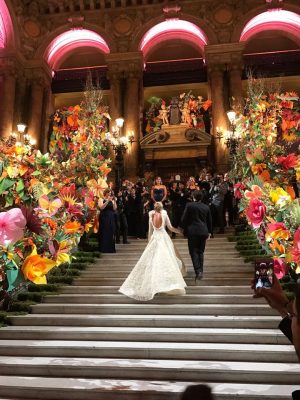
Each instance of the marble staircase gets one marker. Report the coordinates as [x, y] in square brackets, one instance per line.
[90, 342]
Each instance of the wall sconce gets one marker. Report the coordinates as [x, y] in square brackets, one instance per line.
[219, 133]
[131, 137]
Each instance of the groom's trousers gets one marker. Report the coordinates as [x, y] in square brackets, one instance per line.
[196, 245]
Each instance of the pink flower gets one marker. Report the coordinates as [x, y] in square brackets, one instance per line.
[238, 187]
[255, 212]
[12, 225]
[280, 267]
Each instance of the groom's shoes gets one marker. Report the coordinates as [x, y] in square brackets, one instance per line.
[198, 277]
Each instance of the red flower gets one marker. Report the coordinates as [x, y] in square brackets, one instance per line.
[290, 161]
[255, 212]
[280, 267]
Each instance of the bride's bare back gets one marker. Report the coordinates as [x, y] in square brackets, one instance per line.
[157, 220]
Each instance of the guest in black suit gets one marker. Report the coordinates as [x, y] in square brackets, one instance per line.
[197, 224]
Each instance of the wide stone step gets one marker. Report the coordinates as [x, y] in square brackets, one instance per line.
[145, 350]
[143, 309]
[211, 253]
[213, 260]
[190, 335]
[112, 273]
[159, 299]
[150, 320]
[190, 290]
[89, 281]
[48, 388]
[118, 368]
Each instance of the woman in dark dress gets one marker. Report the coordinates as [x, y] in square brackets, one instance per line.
[158, 191]
[107, 223]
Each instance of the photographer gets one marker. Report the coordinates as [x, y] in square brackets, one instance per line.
[121, 219]
[107, 222]
[178, 197]
[217, 194]
[289, 311]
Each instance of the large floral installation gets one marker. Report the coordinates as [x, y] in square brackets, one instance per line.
[48, 201]
[195, 109]
[267, 167]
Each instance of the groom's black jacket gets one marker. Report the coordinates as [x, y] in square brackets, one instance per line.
[196, 219]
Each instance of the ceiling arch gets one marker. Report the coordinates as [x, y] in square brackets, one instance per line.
[62, 45]
[6, 26]
[280, 20]
[172, 29]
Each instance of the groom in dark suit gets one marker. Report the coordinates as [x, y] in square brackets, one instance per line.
[197, 226]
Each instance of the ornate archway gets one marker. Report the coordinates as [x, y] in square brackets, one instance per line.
[6, 26]
[72, 39]
[282, 20]
[173, 29]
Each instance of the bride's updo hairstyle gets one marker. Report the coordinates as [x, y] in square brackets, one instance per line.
[158, 206]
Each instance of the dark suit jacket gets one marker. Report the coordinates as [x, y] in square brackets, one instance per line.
[196, 219]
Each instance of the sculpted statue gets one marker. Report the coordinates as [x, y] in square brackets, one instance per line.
[175, 115]
[163, 114]
[185, 114]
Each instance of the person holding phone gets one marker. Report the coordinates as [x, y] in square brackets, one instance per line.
[107, 222]
[289, 311]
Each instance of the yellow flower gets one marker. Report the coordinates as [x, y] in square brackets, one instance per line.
[280, 197]
[63, 258]
[36, 267]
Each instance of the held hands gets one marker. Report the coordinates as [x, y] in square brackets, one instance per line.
[274, 296]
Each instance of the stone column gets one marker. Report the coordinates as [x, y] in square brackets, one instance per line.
[235, 85]
[115, 96]
[7, 103]
[35, 118]
[132, 122]
[40, 84]
[125, 75]
[219, 118]
[220, 58]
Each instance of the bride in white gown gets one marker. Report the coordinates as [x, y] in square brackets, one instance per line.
[159, 269]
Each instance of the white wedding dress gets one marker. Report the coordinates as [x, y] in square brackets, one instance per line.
[159, 270]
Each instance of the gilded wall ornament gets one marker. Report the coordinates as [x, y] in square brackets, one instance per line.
[223, 14]
[32, 28]
[122, 25]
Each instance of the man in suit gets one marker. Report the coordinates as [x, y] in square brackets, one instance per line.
[197, 225]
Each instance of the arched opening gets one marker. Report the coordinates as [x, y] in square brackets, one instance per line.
[279, 20]
[174, 66]
[71, 55]
[272, 46]
[67, 42]
[173, 29]
[6, 29]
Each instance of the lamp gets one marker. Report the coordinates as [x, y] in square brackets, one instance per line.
[231, 116]
[21, 127]
[232, 140]
[120, 122]
[119, 144]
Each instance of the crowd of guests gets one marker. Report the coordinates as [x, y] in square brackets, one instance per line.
[124, 212]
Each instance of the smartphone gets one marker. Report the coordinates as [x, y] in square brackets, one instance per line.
[264, 273]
